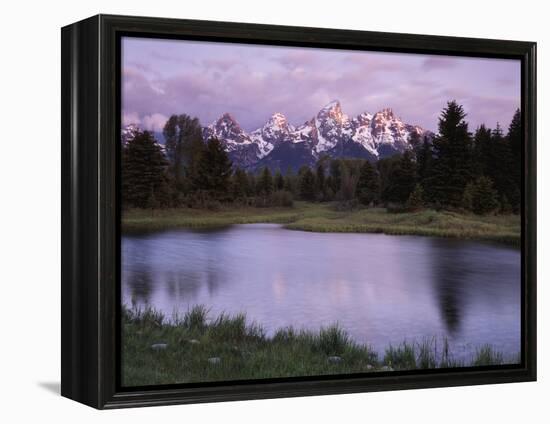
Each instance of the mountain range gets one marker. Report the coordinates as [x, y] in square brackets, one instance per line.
[279, 145]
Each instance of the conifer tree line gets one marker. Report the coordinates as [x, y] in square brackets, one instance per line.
[457, 169]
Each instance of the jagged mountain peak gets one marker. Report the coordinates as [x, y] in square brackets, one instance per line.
[226, 119]
[277, 121]
[332, 110]
[333, 104]
[330, 132]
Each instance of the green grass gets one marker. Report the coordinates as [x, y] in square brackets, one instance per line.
[324, 217]
[189, 343]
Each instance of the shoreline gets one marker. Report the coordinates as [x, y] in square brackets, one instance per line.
[194, 348]
[324, 218]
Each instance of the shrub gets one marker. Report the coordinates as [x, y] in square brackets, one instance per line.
[281, 198]
[480, 197]
[416, 199]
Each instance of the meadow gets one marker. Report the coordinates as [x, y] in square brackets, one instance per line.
[329, 217]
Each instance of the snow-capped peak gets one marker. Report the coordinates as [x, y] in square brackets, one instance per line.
[227, 128]
[330, 132]
[333, 104]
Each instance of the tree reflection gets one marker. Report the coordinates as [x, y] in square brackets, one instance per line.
[450, 274]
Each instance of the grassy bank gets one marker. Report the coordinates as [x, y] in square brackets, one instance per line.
[194, 348]
[323, 217]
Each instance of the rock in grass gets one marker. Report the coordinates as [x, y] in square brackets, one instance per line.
[335, 359]
[159, 346]
[194, 342]
[369, 367]
[214, 360]
[386, 368]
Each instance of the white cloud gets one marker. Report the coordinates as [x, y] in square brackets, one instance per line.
[154, 122]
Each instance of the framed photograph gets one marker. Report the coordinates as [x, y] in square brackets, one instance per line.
[254, 211]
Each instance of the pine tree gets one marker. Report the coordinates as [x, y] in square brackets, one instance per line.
[348, 182]
[265, 183]
[279, 181]
[252, 183]
[290, 180]
[240, 184]
[321, 180]
[514, 137]
[483, 156]
[500, 169]
[307, 185]
[480, 197]
[143, 168]
[368, 185]
[424, 166]
[453, 153]
[213, 170]
[416, 199]
[336, 174]
[402, 179]
[184, 144]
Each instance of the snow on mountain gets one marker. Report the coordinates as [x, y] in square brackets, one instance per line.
[128, 133]
[331, 132]
[241, 149]
[276, 130]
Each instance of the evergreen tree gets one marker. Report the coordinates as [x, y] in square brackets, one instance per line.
[416, 198]
[424, 166]
[265, 183]
[143, 168]
[368, 185]
[348, 182]
[252, 183]
[402, 179]
[213, 170]
[336, 174]
[386, 167]
[483, 151]
[279, 181]
[289, 181]
[500, 169]
[240, 184]
[514, 137]
[480, 197]
[184, 144]
[308, 185]
[453, 152]
[321, 180]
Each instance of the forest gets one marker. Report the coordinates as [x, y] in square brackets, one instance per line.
[458, 170]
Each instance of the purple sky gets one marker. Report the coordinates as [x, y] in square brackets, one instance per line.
[204, 79]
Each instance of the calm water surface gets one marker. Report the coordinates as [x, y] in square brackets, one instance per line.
[381, 289]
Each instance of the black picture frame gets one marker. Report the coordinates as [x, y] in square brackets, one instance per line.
[90, 209]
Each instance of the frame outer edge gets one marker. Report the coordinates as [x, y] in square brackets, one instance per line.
[89, 202]
[80, 305]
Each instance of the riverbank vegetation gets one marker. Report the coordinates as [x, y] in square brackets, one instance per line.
[330, 217]
[199, 348]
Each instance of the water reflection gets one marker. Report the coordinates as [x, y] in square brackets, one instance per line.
[381, 289]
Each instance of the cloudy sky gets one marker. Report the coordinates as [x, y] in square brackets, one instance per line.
[204, 79]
